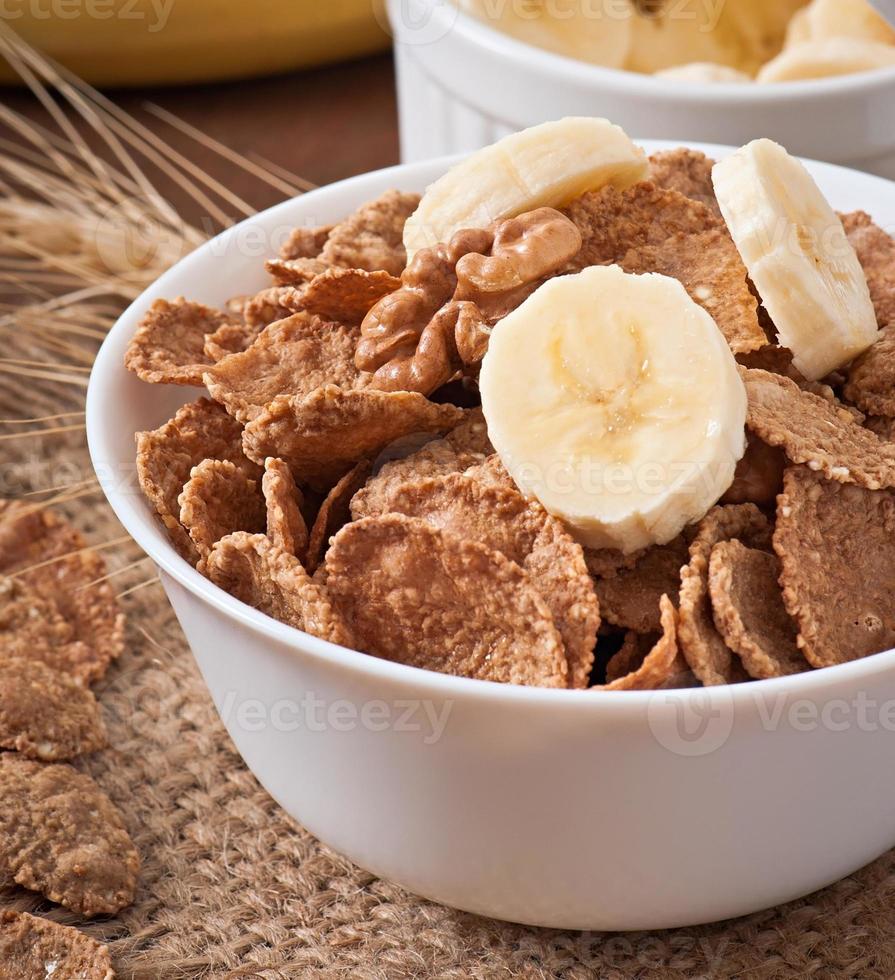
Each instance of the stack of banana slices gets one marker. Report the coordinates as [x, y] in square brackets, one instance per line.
[613, 398]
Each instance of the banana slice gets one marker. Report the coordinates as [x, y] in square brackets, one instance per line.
[704, 72]
[545, 166]
[826, 59]
[795, 249]
[590, 32]
[824, 19]
[615, 401]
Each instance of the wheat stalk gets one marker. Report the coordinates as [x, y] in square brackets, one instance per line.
[83, 230]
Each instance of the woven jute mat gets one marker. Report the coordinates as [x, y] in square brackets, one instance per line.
[232, 887]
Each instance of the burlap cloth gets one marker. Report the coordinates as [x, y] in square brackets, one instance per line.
[231, 887]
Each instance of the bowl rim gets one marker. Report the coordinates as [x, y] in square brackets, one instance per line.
[525, 56]
[150, 537]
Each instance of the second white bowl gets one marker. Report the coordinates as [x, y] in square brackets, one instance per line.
[462, 85]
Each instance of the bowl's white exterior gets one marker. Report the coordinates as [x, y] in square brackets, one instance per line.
[462, 85]
[557, 808]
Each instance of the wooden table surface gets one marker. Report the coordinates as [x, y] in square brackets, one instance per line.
[323, 124]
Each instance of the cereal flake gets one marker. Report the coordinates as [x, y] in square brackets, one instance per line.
[293, 357]
[659, 667]
[814, 431]
[335, 511]
[500, 518]
[838, 568]
[286, 526]
[166, 456]
[688, 172]
[218, 499]
[749, 613]
[629, 598]
[169, 345]
[646, 229]
[709, 657]
[324, 434]
[254, 570]
[426, 598]
[29, 945]
[45, 714]
[61, 836]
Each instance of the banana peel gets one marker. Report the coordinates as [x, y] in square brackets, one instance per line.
[158, 42]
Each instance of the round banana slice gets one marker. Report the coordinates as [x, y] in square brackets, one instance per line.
[794, 246]
[615, 401]
[545, 166]
[704, 72]
[827, 58]
[594, 32]
[824, 19]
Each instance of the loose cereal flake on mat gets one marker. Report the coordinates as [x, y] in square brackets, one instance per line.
[661, 667]
[688, 172]
[816, 432]
[871, 376]
[749, 613]
[32, 948]
[61, 836]
[324, 434]
[305, 243]
[169, 345]
[373, 237]
[646, 229]
[32, 626]
[500, 518]
[255, 571]
[294, 356]
[335, 511]
[629, 598]
[166, 456]
[427, 598]
[286, 525]
[876, 253]
[465, 446]
[49, 559]
[45, 714]
[217, 500]
[838, 566]
[709, 657]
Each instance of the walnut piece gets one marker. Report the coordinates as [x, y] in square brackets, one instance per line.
[437, 325]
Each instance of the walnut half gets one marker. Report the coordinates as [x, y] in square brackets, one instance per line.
[437, 325]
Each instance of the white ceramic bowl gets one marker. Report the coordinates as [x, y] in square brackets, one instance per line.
[573, 809]
[462, 85]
